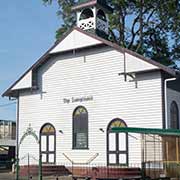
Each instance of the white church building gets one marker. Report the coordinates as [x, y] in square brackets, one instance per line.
[82, 87]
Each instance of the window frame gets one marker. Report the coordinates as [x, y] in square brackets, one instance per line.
[74, 140]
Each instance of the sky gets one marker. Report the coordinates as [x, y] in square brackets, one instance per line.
[27, 30]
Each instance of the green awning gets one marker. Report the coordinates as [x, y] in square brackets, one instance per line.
[164, 132]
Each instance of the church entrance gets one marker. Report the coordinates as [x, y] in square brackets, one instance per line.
[48, 144]
[117, 144]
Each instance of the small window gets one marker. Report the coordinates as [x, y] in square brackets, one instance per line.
[174, 115]
[80, 128]
[86, 13]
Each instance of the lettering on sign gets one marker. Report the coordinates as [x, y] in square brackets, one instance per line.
[77, 99]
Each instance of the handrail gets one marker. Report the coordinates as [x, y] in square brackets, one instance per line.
[93, 158]
[86, 163]
[68, 158]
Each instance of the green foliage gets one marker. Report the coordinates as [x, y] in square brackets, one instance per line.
[149, 27]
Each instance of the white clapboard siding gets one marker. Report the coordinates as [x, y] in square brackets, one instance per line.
[75, 40]
[133, 64]
[25, 82]
[92, 73]
[172, 95]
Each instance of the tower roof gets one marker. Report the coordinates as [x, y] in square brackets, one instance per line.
[89, 3]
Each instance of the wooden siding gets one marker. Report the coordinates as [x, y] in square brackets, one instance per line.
[25, 82]
[75, 40]
[91, 73]
[135, 64]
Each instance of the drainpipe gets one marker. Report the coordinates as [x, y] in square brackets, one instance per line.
[165, 100]
[17, 139]
[17, 125]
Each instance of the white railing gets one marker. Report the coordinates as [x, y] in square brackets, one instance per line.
[102, 25]
[87, 24]
[81, 163]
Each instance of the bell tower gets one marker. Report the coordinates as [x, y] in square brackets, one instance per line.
[92, 16]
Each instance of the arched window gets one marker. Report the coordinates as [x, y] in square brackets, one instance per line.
[174, 115]
[117, 144]
[80, 128]
[101, 15]
[86, 13]
[48, 143]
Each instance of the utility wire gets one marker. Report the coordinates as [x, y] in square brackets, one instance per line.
[9, 104]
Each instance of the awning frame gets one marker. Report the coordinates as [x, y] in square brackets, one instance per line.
[155, 131]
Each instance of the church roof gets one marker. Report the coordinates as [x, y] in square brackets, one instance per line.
[62, 45]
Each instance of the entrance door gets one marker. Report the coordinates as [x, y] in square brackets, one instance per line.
[48, 144]
[117, 144]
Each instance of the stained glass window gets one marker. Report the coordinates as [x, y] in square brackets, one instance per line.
[48, 129]
[80, 128]
[174, 113]
[117, 123]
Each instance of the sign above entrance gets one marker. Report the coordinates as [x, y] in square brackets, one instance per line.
[77, 99]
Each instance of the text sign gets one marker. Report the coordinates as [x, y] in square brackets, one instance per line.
[77, 99]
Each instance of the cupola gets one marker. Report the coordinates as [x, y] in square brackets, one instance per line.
[92, 16]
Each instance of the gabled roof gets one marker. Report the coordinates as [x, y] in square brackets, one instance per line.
[75, 40]
[94, 41]
[89, 3]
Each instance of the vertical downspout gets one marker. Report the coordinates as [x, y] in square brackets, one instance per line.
[17, 139]
[17, 127]
[165, 100]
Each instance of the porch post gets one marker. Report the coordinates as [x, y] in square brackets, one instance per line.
[177, 150]
[40, 167]
[17, 168]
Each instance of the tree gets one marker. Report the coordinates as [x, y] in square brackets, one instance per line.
[149, 27]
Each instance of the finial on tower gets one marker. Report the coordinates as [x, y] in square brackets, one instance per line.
[92, 15]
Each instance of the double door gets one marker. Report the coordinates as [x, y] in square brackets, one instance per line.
[48, 149]
[117, 149]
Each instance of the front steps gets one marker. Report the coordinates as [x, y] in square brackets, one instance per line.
[106, 172]
[83, 172]
[47, 170]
